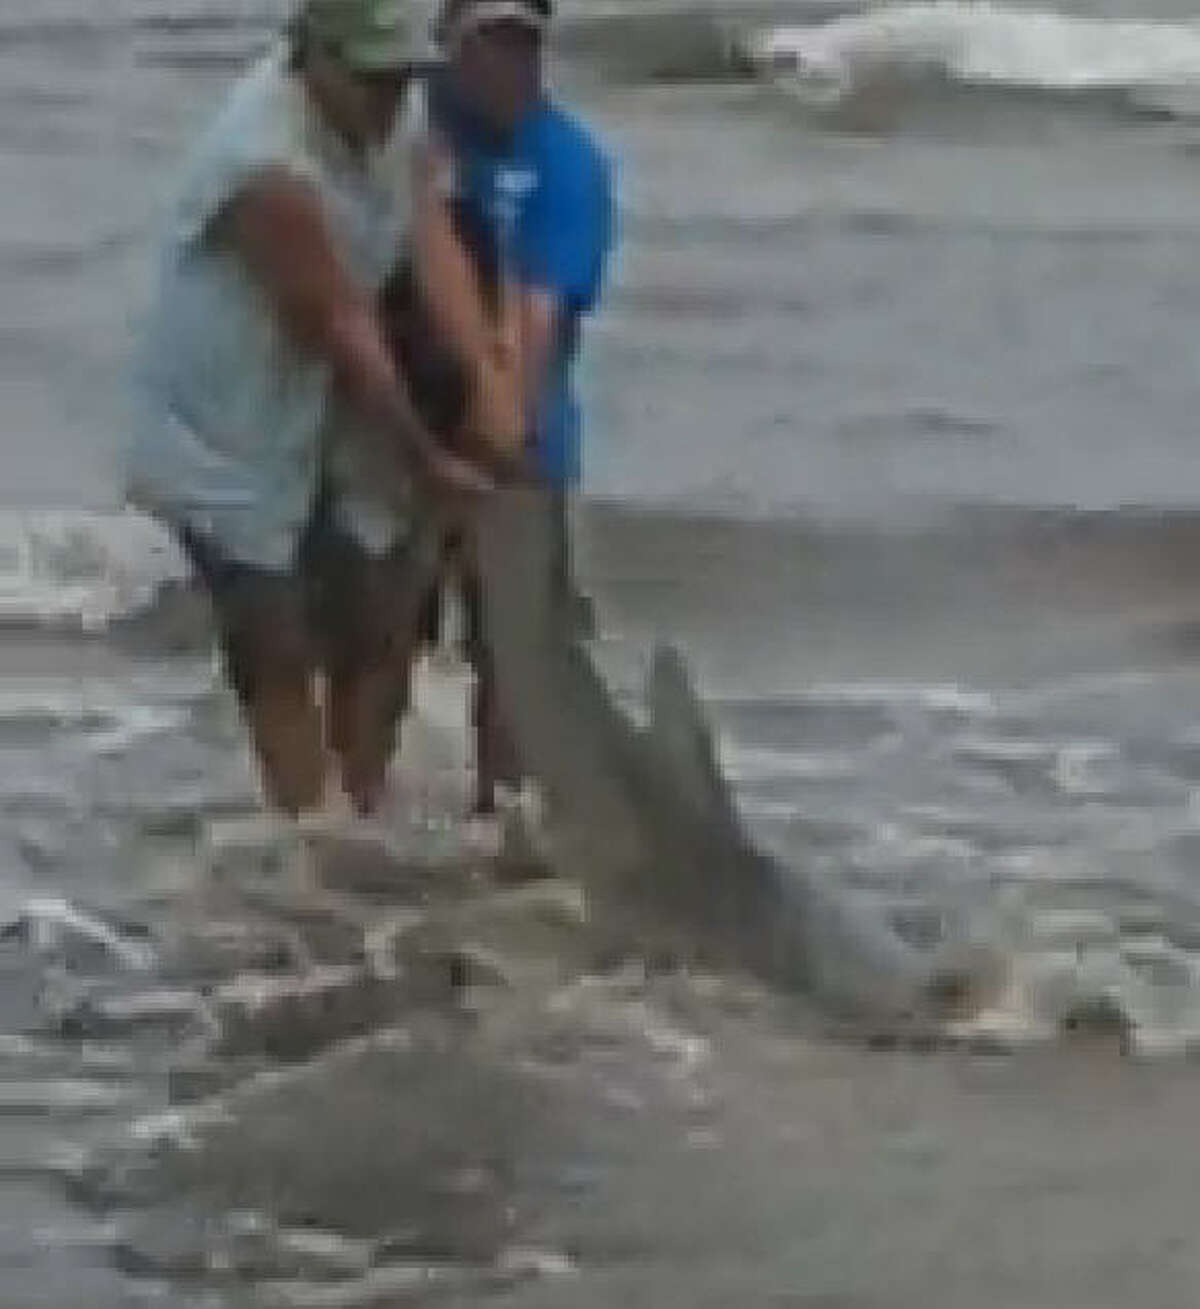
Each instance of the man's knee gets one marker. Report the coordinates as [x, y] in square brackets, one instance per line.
[270, 662]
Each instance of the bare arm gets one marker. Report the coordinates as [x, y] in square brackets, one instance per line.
[446, 273]
[508, 358]
[531, 331]
[453, 292]
[508, 355]
[278, 229]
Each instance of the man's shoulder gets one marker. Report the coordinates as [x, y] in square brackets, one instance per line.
[261, 127]
[265, 122]
[563, 139]
[264, 90]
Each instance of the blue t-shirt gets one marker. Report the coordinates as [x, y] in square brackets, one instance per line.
[544, 195]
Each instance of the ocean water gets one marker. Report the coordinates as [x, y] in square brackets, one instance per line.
[892, 417]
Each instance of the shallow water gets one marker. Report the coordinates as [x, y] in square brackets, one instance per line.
[908, 307]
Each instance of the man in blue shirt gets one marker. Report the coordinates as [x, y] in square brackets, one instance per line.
[536, 191]
[540, 190]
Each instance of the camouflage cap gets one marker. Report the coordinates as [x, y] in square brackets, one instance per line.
[367, 35]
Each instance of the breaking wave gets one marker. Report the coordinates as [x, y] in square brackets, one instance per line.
[80, 571]
[981, 45]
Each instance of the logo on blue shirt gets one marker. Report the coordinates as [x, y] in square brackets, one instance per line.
[545, 193]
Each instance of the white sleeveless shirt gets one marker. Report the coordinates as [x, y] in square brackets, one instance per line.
[231, 414]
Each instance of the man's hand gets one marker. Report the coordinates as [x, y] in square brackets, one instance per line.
[432, 171]
[497, 414]
[448, 474]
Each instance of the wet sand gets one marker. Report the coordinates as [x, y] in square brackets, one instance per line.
[404, 1071]
[839, 1178]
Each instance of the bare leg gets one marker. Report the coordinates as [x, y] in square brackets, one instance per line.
[285, 726]
[271, 663]
[494, 755]
[368, 706]
[371, 614]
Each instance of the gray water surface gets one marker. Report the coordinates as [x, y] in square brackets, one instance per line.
[888, 405]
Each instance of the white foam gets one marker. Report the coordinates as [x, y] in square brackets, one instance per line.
[912, 846]
[743, 765]
[50, 922]
[73, 567]
[105, 715]
[63, 1095]
[933, 697]
[983, 44]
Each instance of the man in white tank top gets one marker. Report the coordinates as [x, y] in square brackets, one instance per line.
[264, 329]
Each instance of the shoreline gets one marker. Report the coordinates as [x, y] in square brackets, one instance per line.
[508, 1119]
